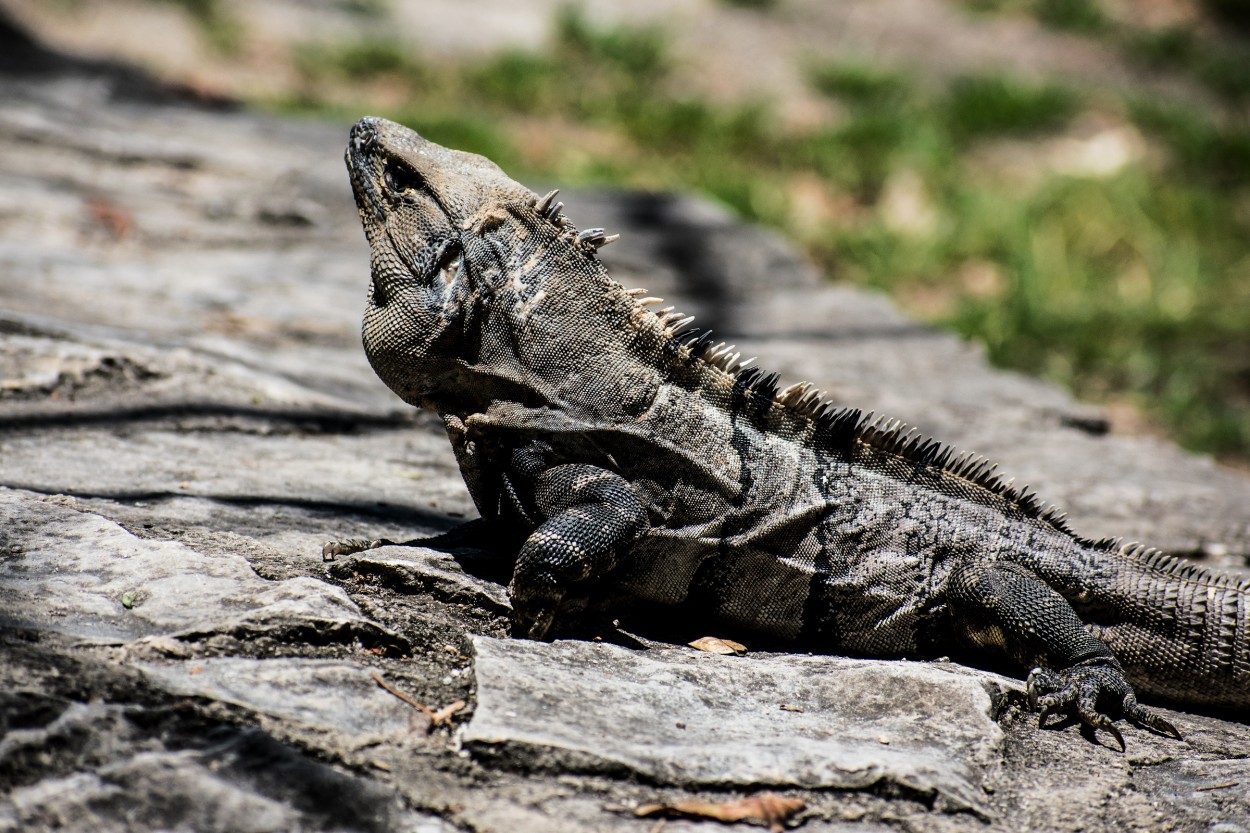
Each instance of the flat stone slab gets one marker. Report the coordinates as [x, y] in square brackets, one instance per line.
[324, 694]
[683, 717]
[76, 573]
[239, 782]
[423, 570]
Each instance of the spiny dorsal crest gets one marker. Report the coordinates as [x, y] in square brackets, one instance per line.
[835, 428]
[690, 344]
[553, 211]
[1159, 561]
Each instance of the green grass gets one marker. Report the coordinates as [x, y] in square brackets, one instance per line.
[861, 84]
[219, 27]
[1080, 16]
[758, 5]
[639, 55]
[360, 60]
[1084, 16]
[1221, 67]
[370, 9]
[1166, 48]
[518, 80]
[1134, 286]
[1201, 151]
[995, 105]
[1220, 64]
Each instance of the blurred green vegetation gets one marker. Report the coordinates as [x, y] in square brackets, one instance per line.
[220, 28]
[762, 5]
[974, 202]
[1082, 16]
[1222, 65]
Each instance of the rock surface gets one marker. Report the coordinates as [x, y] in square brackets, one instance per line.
[687, 718]
[187, 416]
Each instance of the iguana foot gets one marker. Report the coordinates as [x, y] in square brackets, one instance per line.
[533, 622]
[1088, 692]
[334, 549]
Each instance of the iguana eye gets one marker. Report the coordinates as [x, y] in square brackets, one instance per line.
[400, 178]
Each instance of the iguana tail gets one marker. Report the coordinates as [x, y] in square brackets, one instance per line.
[1181, 631]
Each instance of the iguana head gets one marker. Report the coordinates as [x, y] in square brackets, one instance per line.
[416, 201]
[417, 192]
[482, 293]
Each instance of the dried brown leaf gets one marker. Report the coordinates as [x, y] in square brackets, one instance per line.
[716, 645]
[111, 216]
[770, 808]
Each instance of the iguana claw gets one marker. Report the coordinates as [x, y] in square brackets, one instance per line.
[1081, 690]
[350, 546]
[533, 623]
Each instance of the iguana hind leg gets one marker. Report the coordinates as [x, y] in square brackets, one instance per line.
[591, 517]
[1077, 674]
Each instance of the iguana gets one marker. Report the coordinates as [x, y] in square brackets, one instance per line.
[638, 465]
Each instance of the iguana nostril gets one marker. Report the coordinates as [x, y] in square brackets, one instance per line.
[364, 135]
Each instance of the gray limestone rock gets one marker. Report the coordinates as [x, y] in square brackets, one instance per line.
[327, 695]
[78, 574]
[233, 782]
[423, 570]
[681, 716]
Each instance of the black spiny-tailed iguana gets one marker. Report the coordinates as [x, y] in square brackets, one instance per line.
[639, 466]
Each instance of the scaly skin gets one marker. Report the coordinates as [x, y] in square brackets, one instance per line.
[641, 469]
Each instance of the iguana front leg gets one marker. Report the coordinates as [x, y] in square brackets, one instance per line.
[591, 516]
[1005, 604]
